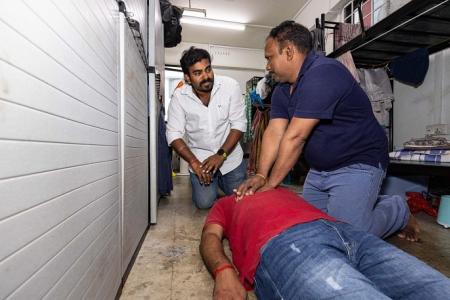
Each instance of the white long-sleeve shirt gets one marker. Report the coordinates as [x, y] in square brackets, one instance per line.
[207, 127]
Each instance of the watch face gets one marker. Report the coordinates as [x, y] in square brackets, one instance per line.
[221, 151]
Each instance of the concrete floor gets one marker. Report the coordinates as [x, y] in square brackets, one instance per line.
[169, 265]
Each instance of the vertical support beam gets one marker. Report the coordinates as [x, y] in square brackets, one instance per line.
[156, 60]
[153, 149]
[121, 118]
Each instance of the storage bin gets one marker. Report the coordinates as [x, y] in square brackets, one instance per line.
[444, 211]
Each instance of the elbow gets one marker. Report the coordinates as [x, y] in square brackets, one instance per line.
[301, 141]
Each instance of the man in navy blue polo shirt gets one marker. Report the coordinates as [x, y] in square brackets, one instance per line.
[319, 109]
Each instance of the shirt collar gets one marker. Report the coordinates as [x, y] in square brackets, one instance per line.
[309, 60]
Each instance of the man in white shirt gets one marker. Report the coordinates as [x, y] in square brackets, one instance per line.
[210, 112]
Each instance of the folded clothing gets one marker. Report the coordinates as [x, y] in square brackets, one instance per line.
[435, 155]
[429, 142]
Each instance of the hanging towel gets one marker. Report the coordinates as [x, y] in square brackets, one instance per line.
[376, 84]
[411, 68]
[344, 33]
[262, 89]
[260, 122]
[347, 60]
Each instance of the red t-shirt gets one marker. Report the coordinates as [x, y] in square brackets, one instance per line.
[251, 222]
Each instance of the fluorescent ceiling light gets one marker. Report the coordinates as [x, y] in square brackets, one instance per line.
[213, 23]
[194, 12]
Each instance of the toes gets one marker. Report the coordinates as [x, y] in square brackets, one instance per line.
[401, 235]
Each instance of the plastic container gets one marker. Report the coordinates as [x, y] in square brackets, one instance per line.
[444, 211]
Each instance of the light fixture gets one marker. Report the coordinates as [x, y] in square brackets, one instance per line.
[213, 23]
[194, 12]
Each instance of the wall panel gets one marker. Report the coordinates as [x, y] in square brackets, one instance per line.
[59, 149]
[139, 10]
[134, 144]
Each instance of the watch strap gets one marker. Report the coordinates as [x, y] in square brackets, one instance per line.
[222, 153]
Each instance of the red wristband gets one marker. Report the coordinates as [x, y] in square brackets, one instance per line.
[221, 268]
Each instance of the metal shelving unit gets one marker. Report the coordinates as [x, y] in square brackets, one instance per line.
[418, 24]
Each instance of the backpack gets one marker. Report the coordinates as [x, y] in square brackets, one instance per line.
[171, 15]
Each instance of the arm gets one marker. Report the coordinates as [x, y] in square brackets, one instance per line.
[269, 151]
[227, 285]
[183, 150]
[231, 141]
[291, 147]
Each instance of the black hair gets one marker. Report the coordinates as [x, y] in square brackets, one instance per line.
[192, 56]
[293, 32]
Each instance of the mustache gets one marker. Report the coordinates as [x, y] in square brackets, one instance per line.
[206, 81]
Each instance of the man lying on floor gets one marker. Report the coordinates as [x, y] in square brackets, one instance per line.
[285, 248]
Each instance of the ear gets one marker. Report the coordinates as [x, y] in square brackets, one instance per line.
[186, 79]
[290, 51]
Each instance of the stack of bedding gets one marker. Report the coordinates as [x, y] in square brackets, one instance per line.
[435, 155]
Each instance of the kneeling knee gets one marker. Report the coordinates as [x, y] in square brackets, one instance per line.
[204, 203]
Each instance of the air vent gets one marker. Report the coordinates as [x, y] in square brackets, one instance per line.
[217, 51]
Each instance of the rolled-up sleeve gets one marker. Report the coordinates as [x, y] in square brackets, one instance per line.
[176, 120]
[238, 120]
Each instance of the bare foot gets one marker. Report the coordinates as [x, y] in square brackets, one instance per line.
[411, 230]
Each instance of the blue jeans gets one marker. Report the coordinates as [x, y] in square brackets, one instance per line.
[350, 194]
[205, 195]
[332, 260]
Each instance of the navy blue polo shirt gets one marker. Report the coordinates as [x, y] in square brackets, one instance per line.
[348, 132]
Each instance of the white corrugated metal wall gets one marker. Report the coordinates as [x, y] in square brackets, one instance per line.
[134, 144]
[138, 10]
[60, 184]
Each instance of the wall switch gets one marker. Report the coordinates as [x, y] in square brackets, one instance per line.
[437, 129]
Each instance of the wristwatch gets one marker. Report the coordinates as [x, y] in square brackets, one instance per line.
[222, 153]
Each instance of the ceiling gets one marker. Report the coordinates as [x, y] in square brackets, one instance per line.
[263, 14]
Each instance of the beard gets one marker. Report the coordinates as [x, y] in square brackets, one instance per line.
[279, 79]
[273, 76]
[206, 85]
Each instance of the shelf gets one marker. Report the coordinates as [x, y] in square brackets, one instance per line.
[403, 167]
[418, 24]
